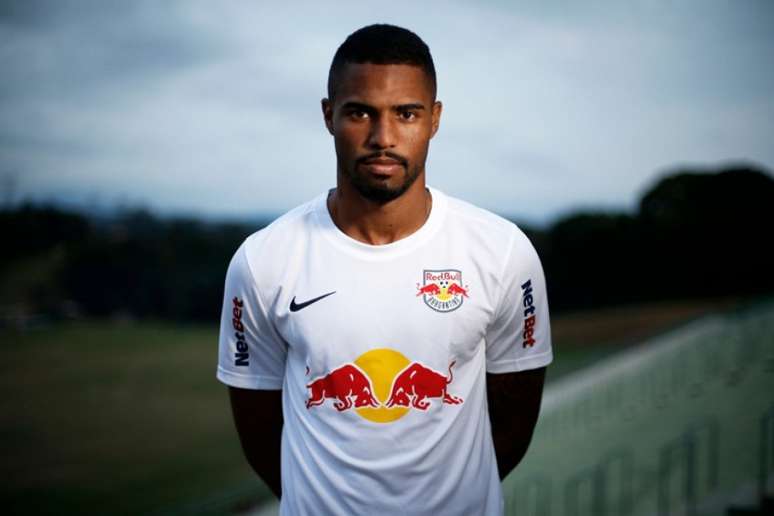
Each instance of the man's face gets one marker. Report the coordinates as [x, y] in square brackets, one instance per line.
[382, 119]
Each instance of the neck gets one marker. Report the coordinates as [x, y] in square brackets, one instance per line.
[376, 223]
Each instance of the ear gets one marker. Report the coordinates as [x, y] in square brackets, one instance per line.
[437, 109]
[327, 109]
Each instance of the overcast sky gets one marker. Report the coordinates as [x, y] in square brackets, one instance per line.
[213, 107]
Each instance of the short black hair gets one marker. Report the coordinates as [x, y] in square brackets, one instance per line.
[382, 44]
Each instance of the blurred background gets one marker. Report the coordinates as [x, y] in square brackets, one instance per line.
[141, 142]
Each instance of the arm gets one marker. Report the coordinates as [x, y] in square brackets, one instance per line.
[514, 404]
[251, 361]
[258, 421]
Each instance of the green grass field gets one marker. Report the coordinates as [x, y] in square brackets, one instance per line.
[101, 417]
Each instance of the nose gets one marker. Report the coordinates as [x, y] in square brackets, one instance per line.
[382, 134]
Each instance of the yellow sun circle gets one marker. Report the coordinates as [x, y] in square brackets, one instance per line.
[382, 365]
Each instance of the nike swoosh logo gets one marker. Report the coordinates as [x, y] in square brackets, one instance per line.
[296, 307]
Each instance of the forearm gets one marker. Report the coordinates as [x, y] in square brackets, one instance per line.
[265, 460]
[514, 404]
[260, 432]
[510, 444]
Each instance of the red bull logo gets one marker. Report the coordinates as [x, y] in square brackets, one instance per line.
[442, 290]
[382, 385]
[416, 383]
[348, 385]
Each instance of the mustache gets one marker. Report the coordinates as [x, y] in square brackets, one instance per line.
[386, 154]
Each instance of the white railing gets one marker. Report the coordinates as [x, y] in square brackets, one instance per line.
[673, 426]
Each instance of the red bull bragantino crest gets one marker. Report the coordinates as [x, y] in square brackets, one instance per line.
[382, 385]
[442, 290]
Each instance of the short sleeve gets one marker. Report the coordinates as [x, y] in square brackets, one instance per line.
[519, 337]
[251, 354]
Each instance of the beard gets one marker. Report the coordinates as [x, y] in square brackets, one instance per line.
[378, 191]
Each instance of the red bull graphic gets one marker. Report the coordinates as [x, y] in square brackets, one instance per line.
[348, 385]
[431, 289]
[382, 386]
[416, 383]
[442, 290]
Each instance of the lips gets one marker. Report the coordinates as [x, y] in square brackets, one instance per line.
[382, 166]
[382, 161]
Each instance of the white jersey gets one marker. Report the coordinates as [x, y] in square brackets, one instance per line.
[381, 354]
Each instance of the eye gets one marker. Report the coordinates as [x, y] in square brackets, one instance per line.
[357, 114]
[408, 115]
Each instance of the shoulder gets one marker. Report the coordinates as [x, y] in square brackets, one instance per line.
[285, 228]
[267, 250]
[502, 238]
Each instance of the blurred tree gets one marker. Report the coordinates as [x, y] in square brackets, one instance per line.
[591, 260]
[696, 234]
[30, 230]
[38, 242]
[147, 267]
[709, 234]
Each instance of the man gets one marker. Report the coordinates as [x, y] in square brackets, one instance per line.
[385, 344]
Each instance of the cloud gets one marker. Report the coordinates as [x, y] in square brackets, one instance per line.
[215, 107]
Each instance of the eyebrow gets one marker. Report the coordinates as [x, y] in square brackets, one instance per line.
[405, 107]
[368, 109]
